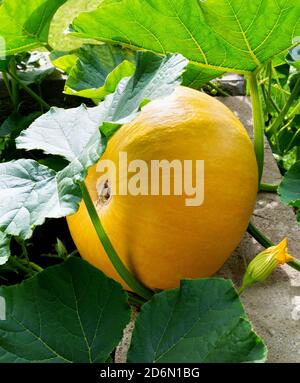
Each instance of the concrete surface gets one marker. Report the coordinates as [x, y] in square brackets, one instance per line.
[273, 306]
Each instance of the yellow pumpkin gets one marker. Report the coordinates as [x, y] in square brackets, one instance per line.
[158, 237]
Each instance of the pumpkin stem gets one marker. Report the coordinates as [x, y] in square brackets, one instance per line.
[124, 273]
[258, 123]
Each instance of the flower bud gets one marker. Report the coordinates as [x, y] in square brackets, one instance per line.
[265, 263]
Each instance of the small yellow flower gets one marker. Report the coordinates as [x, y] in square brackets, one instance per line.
[265, 263]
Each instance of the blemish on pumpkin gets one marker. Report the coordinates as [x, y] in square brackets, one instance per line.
[104, 194]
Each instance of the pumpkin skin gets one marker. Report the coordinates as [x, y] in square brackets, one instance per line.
[159, 238]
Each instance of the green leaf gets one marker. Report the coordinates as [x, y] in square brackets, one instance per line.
[67, 313]
[64, 60]
[61, 249]
[64, 132]
[11, 129]
[58, 131]
[56, 163]
[215, 35]
[202, 321]
[35, 76]
[7, 127]
[4, 248]
[24, 25]
[31, 192]
[289, 189]
[98, 71]
[195, 78]
[16, 122]
[155, 77]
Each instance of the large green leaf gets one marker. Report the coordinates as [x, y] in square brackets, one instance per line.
[202, 321]
[24, 25]
[215, 35]
[4, 248]
[64, 132]
[289, 188]
[57, 132]
[98, 71]
[31, 192]
[67, 313]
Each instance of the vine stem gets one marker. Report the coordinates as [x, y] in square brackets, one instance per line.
[128, 278]
[294, 111]
[271, 188]
[35, 267]
[274, 127]
[259, 236]
[135, 300]
[49, 47]
[6, 82]
[258, 123]
[268, 97]
[29, 91]
[266, 242]
[293, 140]
[16, 262]
[295, 263]
[218, 89]
[14, 86]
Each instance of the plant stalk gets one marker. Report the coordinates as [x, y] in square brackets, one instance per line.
[295, 264]
[276, 124]
[259, 236]
[293, 140]
[135, 300]
[20, 265]
[128, 278]
[35, 267]
[294, 111]
[14, 84]
[270, 188]
[269, 74]
[258, 123]
[266, 242]
[49, 47]
[29, 91]
[218, 89]
[6, 82]
[267, 96]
